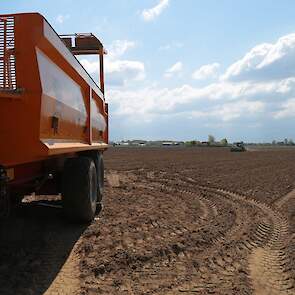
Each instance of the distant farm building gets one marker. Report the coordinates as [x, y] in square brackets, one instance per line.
[168, 143]
[205, 143]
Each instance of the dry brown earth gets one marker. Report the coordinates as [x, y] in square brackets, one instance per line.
[175, 221]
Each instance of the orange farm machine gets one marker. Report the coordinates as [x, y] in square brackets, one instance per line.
[53, 116]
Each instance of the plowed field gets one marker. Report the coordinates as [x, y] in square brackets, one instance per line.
[175, 221]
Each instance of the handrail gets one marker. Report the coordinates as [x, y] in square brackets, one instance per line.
[7, 54]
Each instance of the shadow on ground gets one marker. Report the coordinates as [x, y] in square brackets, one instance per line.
[34, 245]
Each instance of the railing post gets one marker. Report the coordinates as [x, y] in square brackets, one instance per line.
[4, 52]
[101, 70]
[89, 117]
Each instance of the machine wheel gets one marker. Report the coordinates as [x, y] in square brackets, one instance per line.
[100, 176]
[79, 189]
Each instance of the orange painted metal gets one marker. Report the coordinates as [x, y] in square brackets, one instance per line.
[53, 108]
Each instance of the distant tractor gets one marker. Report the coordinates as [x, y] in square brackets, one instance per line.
[238, 147]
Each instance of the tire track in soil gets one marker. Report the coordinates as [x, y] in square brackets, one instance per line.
[268, 271]
[173, 261]
[218, 253]
[286, 205]
[272, 268]
[269, 267]
[162, 271]
[269, 263]
[287, 198]
[220, 267]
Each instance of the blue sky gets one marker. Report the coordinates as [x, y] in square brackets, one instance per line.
[183, 69]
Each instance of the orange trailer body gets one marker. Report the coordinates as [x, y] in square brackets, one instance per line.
[50, 108]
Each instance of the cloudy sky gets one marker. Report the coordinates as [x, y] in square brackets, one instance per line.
[183, 69]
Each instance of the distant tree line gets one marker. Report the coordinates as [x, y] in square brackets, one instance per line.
[224, 142]
[286, 141]
[210, 142]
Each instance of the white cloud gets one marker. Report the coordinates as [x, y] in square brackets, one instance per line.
[118, 71]
[61, 18]
[234, 110]
[171, 46]
[120, 47]
[206, 71]
[220, 101]
[242, 108]
[174, 70]
[287, 110]
[265, 62]
[245, 94]
[203, 102]
[151, 13]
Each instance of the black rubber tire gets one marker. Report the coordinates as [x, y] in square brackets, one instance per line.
[79, 189]
[100, 176]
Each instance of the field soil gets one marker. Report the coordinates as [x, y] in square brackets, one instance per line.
[174, 221]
